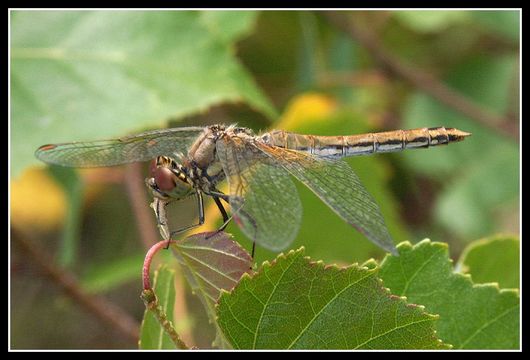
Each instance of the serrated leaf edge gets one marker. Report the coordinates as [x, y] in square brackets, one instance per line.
[268, 264]
[468, 277]
[369, 271]
[465, 277]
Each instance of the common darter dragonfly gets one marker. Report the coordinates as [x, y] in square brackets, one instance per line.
[264, 202]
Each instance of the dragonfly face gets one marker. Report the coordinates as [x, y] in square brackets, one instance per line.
[169, 179]
[258, 169]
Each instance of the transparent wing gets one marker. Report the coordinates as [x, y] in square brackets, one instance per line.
[263, 198]
[140, 147]
[339, 187]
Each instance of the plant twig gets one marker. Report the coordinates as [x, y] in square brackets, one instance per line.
[102, 309]
[151, 301]
[152, 304]
[420, 79]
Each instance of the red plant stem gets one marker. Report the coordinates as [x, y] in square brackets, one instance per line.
[150, 299]
[148, 258]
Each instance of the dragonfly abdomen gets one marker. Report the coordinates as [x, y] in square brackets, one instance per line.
[362, 144]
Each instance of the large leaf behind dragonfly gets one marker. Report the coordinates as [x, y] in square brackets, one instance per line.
[212, 262]
[294, 303]
[88, 75]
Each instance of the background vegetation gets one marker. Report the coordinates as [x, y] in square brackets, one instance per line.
[78, 238]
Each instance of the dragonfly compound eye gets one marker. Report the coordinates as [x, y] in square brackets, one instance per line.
[164, 179]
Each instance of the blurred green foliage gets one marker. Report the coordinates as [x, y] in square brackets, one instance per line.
[90, 75]
[467, 204]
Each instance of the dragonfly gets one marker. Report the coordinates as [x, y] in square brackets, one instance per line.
[263, 200]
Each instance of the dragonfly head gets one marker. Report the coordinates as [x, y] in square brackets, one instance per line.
[168, 179]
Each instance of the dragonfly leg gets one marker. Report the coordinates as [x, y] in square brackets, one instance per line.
[226, 218]
[253, 249]
[218, 194]
[159, 207]
[200, 204]
[221, 208]
[253, 223]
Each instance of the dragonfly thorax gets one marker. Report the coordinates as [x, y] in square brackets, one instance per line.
[169, 179]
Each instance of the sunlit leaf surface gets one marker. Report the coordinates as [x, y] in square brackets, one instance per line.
[494, 259]
[89, 75]
[471, 316]
[294, 303]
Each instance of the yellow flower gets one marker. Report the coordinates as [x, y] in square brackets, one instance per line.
[306, 108]
[37, 202]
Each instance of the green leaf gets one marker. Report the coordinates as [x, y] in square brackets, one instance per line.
[152, 335]
[431, 20]
[467, 205]
[471, 316]
[294, 303]
[102, 277]
[307, 64]
[342, 53]
[502, 22]
[73, 188]
[88, 75]
[212, 262]
[484, 80]
[228, 25]
[494, 259]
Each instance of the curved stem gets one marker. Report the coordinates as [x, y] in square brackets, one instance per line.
[150, 299]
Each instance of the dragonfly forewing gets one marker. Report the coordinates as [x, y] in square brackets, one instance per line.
[263, 199]
[141, 147]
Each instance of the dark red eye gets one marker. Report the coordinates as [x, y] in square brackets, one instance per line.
[164, 179]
